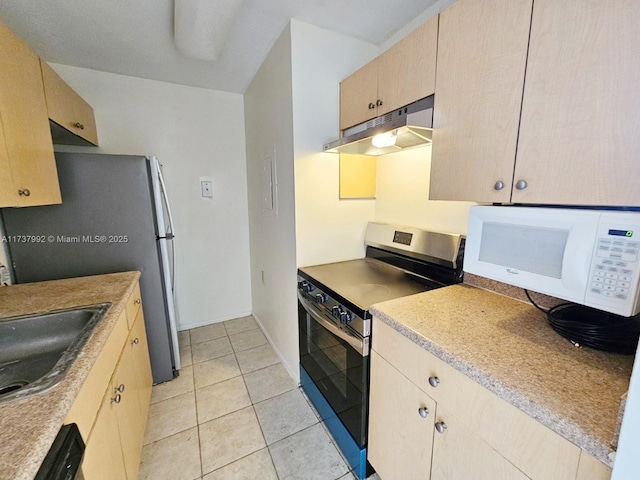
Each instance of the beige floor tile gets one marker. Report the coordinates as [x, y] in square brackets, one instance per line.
[184, 340]
[284, 415]
[309, 454]
[246, 340]
[229, 438]
[238, 325]
[221, 399]
[216, 370]
[206, 333]
[182, 384]
[257, 358]
[258, 465]
[268, 382]
[173, 458]
[171, 416]
[201, 352]
[185, 356]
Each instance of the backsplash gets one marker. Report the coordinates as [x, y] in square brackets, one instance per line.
[507, 290]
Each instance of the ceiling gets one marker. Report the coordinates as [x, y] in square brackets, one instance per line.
[135, 37]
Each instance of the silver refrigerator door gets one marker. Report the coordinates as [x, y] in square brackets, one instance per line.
[108, 198]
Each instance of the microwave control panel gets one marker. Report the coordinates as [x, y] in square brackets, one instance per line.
[613, 279]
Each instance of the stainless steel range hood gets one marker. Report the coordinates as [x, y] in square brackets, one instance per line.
[407, 127]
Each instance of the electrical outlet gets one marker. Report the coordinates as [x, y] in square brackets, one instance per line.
[207, 188]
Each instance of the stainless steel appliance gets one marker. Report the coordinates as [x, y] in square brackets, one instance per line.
[114, 217]
[406, 127]
[64, 458]
[335, 324]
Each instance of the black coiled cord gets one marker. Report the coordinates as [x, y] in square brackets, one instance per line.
[588, 327]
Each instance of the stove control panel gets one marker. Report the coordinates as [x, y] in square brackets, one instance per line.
[333, 308]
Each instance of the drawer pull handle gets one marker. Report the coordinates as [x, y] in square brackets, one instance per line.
[120, 388]
[434, 381]
[116, 399]
[135, 341]
[24, 192]
[441, 427]
[423, 411]
[521, 184]
[498, 185]
[78, 125]
[137, 301]
[372, 106]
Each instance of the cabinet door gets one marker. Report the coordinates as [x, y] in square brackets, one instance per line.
[357, 93]
[400, 439]
[141, 364]
[25, 126]
[407, 71]
[8, 195]
[459, 454]
[579, 139]
[66, 108]
[130, 422]
[482, 50]
[103, 454]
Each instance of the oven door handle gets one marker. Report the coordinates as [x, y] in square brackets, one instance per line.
[360, 345]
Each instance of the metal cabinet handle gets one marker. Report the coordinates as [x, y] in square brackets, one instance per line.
[379, 103]
[137, 301]
[372, 106]
[498, 185]
[441, 427]
[24, 192]
[434, 381]
[119, 388]
[116, 399]
[423, 411]
[521, 184]
[135, 341]
[78, 125]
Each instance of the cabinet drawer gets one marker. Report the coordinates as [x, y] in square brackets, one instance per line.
[133, 305]
[86, 405]
[535, 449]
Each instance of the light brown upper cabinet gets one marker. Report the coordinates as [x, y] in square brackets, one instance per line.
[73, 122]
[401, 75]
[579, 133]
[27, 164]
[577, 108]
[482, 51]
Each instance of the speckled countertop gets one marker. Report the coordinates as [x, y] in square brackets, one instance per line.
[29, 426]
[507, 346]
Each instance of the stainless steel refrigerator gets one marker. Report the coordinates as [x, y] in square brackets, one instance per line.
[114, 217]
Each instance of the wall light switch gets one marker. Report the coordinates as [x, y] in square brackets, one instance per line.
[207, 188]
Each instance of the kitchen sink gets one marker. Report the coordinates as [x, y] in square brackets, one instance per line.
[37, 350]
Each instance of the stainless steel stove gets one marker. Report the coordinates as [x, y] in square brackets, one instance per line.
[335, 324]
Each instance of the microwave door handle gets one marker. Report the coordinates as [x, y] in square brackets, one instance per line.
[361, 346]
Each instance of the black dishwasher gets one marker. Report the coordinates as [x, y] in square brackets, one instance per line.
[64, 457]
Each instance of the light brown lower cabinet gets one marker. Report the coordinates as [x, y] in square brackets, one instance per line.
[468, 432]
[114, 431]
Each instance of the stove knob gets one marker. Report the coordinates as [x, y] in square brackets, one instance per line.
[335, 311]
[321, 297]
[306, 287]
[345, 316]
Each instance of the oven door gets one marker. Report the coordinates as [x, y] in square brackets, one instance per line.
[337, 363]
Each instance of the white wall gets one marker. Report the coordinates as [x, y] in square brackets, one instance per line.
[327, 229]
[194, 132]
[403, 194]
[269, 133]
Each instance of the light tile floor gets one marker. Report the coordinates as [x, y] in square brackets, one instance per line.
[234, 413]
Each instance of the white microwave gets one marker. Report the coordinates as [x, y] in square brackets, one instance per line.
[588, 257]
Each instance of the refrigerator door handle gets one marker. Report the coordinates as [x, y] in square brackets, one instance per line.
[160, 195]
